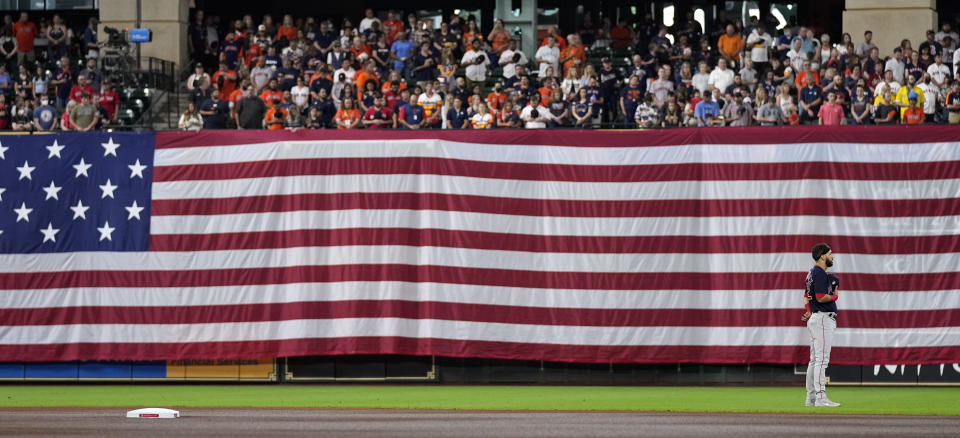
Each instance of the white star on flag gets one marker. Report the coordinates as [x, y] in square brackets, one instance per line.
[1, 193]
[106, 232]
[23, 213]
[80, 210]
[136, 169]
[55, 149]
[108, 189]
[110, 148]
[50, 233]
[82, 168]
[134, 211]
[3, 152]
[25, 171]
[52, 191]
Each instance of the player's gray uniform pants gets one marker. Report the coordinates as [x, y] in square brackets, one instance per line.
[821, 328]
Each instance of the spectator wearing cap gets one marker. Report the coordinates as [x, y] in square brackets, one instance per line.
[913, 113]
[707, 111]
[108, 99]
[831, 113]
[738, 113]
[378, 116]
[903, 95]
[535, 115]
[90, 44]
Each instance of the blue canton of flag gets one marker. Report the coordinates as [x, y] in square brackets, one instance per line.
[75, 192]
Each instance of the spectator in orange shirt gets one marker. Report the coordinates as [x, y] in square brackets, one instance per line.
[287, 31]
[391, 26]
[348, 116]
[226, 80]
[369, 73]
[801, 78]
[497, 97]
[272, 95]
[573, 56]
[25, 32]
[499, 38]
[393, 78]
[913, 115]
[555, 33]
[274, 118]
[730, 45]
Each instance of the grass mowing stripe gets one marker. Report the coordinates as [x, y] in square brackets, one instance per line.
[855, 400]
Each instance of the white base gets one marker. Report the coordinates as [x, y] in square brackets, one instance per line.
[153, 413]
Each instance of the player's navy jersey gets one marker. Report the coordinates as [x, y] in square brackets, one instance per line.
[818, 283]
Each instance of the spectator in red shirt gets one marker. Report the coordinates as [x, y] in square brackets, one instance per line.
[25, 31]
[831, 113]
[621, 35]
[108, 99]
[378, 116]
[82, 87]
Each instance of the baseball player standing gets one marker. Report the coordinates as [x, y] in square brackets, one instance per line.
[821, 317]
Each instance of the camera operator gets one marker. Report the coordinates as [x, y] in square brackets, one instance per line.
[511, 58]
[477, 62]
[199, 84]
[90, 43]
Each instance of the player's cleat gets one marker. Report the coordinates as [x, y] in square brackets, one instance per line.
[811, 401]
[823, 401]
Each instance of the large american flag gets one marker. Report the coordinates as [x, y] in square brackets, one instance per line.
[672, 246]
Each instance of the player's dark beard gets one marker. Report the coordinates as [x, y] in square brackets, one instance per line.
[829, 262]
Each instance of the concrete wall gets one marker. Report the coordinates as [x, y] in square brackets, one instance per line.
[166, 18]
[890, 20]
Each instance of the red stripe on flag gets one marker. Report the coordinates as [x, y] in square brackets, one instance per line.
[559, 207]
[207, 314]
[474, 276]
[564, 244]
[584, 138]
[486, 349]
[560, 172]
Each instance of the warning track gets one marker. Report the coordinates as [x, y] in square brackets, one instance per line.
[416, 423]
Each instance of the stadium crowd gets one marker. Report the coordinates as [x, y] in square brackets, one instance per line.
[404, 72]
[410, 73]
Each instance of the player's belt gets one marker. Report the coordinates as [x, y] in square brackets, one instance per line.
[830, 314]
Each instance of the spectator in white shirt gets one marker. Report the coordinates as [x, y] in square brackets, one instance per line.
[721, 77]
[534, 115]
[796, 55]
[938, 71]
[945, 31]
[931, 95]
[547, 56]
[476, 63]
[887, 81]
[368, 21]
[300, 93]
[759, 42]
[510, 58]
[701, 80]
[895, 64]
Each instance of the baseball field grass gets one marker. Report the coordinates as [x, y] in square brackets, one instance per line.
[855, 400]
